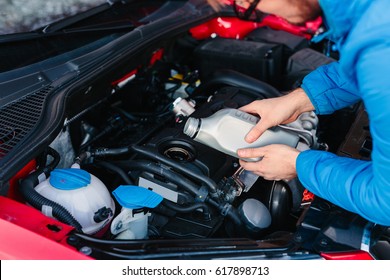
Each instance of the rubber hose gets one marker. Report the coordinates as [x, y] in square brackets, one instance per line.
[117, 170]
[156, 169]
[53, 164]
[82, 157]
[231, 211]
[190, 208]
[196, 176]
[105, 152]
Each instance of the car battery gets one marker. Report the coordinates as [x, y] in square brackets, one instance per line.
[262, 61]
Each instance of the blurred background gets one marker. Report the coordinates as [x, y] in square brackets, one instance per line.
[22, 15]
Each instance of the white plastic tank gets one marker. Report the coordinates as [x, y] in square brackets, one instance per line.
[82, 194]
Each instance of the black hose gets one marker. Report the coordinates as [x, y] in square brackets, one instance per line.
[36, 200]
[211, 185]
[53, 164]
[226, 210]
[158, 170]
[117, 170]
[100, 153]
[190, 208]
[106, 152]
[41, 160]
[82, 157]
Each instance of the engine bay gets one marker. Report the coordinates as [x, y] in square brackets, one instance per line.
[123, 169]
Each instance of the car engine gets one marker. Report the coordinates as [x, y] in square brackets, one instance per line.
[123, 168]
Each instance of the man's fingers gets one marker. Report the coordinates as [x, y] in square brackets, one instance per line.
[258, 129]
[250, 153]
[256, 132]
[255, 167]
[249, 108]
[249, 166]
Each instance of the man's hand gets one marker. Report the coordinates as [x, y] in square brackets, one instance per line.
[278, 161]
[274, 111]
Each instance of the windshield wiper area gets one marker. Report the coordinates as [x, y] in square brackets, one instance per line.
[59, 25]
[87, 29]
[64, 26]
[123, 27]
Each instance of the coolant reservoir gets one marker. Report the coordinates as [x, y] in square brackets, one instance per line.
[226, 130]
[82, 194]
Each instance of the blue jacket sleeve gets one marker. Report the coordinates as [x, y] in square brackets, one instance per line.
[328, 89]
[362, 187]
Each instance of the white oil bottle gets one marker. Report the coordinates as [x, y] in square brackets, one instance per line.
[226, 129]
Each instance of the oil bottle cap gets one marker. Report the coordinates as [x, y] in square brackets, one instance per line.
[192, 127]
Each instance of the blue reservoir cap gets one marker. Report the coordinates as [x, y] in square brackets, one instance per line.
[69, 178]
[135, 197]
